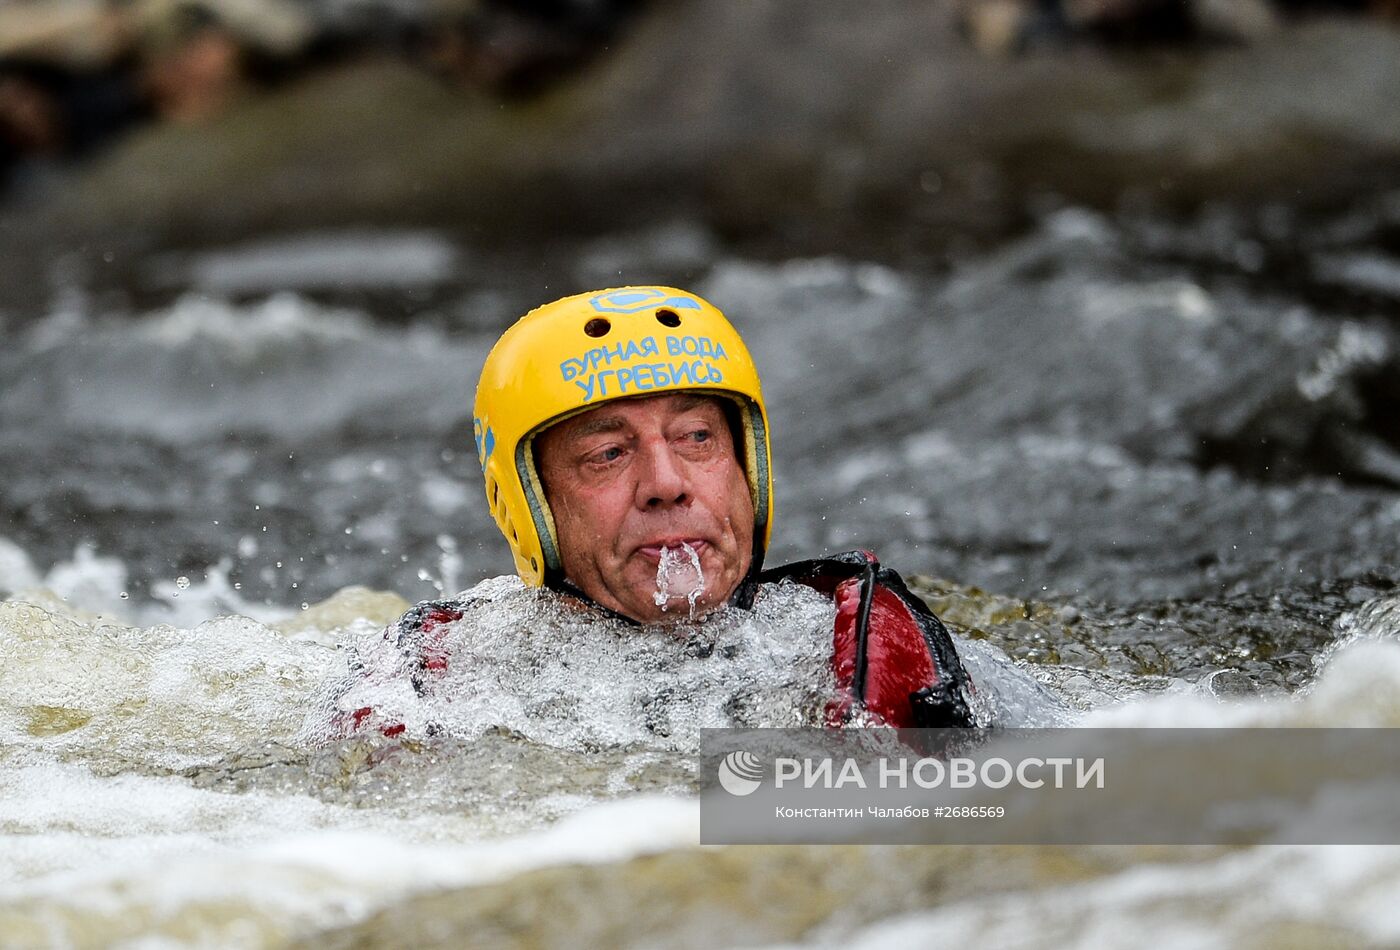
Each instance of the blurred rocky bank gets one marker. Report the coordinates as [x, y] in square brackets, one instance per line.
[895, 128]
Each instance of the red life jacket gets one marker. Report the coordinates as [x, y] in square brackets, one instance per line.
[891, 655]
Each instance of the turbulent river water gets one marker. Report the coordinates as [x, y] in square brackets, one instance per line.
[1147, 468]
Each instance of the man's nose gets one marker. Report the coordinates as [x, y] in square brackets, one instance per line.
[661, 479]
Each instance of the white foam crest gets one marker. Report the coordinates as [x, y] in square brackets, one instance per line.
[1360, 686]
[343, 260]
[186, 602]
[1361, 270]
[1005, 693]
[1258, 897]
[17, 571]
[91, 585]
[205, 366]
[1378, 618]
[245, 332]
[88, 586]
[157, 697]
[525, 660]
[1356, 346]
[89, 581]
[139, 857]
[1357, 686]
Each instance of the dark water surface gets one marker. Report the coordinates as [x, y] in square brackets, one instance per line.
[1125, 409]
[1140, 448]
[1152, 456]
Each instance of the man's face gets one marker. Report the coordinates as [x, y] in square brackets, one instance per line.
[635, 476]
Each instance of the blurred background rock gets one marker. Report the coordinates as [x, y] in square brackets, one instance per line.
[78, 73]
[817, 122]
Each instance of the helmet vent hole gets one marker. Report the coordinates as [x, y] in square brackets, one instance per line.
[668, 318]
[534, 565]
[597, 327]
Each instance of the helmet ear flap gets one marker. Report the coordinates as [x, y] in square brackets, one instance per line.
[500, 510]
[548, 565]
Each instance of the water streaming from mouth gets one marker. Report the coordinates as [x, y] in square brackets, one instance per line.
[678, 574]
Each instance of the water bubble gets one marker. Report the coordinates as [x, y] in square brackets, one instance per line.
[305, 605]
[182, 582]
[123, 595]
[678, 573]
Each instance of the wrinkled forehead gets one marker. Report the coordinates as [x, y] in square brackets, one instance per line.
[620, 413]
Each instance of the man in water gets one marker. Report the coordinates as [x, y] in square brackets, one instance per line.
[624, 442]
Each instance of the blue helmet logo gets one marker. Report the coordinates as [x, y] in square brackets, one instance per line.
[485, 441]
[632, 299]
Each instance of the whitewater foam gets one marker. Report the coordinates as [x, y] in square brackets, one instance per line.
[525, 660]
[204, 367]
[157, 697]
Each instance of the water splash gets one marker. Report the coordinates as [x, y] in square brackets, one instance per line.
[526, 660]
[150, 698]
[447, 581]
[678, 574]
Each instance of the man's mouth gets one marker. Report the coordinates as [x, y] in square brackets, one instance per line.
[653, 550]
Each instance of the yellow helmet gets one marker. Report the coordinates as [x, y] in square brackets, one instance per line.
[577, 353]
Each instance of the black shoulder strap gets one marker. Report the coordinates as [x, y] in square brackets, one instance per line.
[837, 567]
[939, 705]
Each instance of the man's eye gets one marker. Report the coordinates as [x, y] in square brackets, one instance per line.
[611, 454]
[700, 435]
